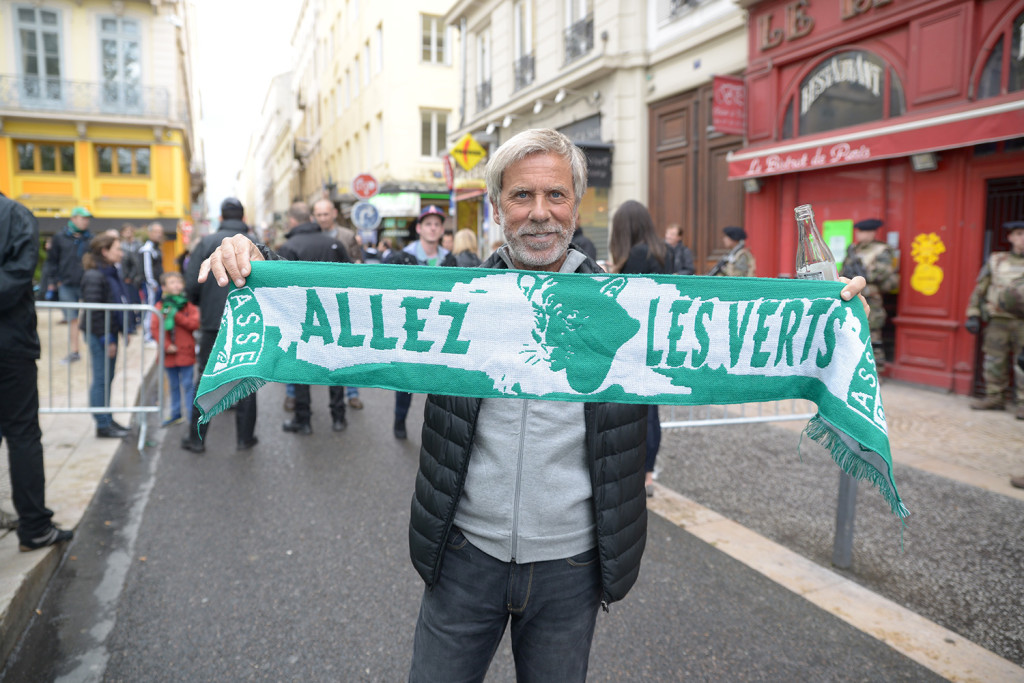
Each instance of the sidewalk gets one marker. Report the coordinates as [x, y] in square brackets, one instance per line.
[930, 432]
[75, 462]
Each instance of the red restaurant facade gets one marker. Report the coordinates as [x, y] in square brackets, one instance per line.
[910, 111]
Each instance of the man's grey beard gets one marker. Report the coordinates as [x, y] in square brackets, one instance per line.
[528, 257]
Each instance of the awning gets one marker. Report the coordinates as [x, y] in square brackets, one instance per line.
[962, 127]
[464, 193]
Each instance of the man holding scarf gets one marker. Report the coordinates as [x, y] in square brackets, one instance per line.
[525, 510]
[65, 255]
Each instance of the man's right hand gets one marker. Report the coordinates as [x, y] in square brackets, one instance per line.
[231, 260]
[973, 324]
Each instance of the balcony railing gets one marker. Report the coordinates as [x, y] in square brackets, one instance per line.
[40, 94]
[579, 38]
[524, 71]
[483, 95]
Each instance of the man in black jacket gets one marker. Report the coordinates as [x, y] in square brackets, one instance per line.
[307, 242]
[210, 298]
[528, 510]
[65, 256]
[19, 393]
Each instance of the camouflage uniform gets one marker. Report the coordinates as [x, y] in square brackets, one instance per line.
[739, 262]
[1004, 336]
[883, 277]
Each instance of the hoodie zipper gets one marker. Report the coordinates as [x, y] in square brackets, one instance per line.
[519, 480]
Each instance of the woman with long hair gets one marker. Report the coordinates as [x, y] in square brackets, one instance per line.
[464, 250]
[634, 246]
[101, 284]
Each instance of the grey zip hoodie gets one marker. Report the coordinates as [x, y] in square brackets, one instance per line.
[528, 496]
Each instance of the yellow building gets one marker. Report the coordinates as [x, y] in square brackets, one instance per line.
[97, 109]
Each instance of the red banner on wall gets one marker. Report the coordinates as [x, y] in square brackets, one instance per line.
[729, 106]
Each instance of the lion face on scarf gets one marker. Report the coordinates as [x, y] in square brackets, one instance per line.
[579, 326]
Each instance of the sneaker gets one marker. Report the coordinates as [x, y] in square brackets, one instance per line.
[356, 403]
[988, 403]
[340, 425]
[70, 358]
[194, 446]
[118, 425]
[51, 537]
[111, 432]
[400, 432]
[171, 422]
[246, 445]
[297, 427]
[289, 404]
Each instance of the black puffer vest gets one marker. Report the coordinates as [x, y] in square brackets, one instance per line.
[616, 437]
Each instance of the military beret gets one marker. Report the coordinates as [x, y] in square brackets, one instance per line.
[735, 233]
[868, 224]
[1010, 226]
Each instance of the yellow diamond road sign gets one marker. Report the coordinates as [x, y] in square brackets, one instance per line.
[467, 152]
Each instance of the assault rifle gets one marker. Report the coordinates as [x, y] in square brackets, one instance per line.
[718, 266]
[853, 266]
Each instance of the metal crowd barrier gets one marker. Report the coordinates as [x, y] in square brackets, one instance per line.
[64, 388]
[776, 411]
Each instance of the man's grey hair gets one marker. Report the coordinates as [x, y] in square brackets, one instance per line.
[299, 211]
[536, 141]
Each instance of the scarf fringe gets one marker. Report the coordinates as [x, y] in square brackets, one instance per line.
[238, 391]
[856, 467]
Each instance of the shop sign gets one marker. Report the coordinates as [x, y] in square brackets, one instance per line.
[729, 105]
[397, 204]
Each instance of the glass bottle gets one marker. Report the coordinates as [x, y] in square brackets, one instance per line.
[814, 260]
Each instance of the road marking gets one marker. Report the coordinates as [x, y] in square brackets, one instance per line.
[937, 648]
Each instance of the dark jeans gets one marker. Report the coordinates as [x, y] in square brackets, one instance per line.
[19, 424]
[402, 402]
[245, 410]
[552, 605]
[102, 378]
[653, 437]
[180, 381]
[303, 410]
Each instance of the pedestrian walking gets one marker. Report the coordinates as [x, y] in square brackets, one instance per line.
[1003, 335]
[326, 216]
[464, 250]
[66, 253]
[875, 261]
[306, 241]
[152, 268]
[524, 511]
[681, 256]
[737, 261]
[102, 284]
[210, 296]
[19, 391]
[180, 321]
[635, 247]
[427, 251]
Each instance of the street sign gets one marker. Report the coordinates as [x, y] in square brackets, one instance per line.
[365, 216]
[449, 171]
[365, 186]
[467, 152]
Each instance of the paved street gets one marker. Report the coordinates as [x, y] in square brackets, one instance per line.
[290, 562]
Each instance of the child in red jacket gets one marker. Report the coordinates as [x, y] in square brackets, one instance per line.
[181, 319]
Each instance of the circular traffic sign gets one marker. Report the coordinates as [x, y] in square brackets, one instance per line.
[365, 186]
[365, 216]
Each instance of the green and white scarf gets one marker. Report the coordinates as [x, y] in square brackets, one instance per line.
[654, 339]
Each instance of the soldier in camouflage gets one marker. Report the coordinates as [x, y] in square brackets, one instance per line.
[997, 300]
[739, 262]
[875, 261]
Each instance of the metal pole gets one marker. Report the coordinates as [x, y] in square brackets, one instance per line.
[842, 549]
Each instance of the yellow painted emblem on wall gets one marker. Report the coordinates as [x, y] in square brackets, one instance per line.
[925, 251]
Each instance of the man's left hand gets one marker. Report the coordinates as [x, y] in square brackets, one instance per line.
[854, 288]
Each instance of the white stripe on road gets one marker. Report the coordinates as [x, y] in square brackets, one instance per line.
[937, 648]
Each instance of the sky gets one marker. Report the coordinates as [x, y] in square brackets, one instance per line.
[240, 48]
